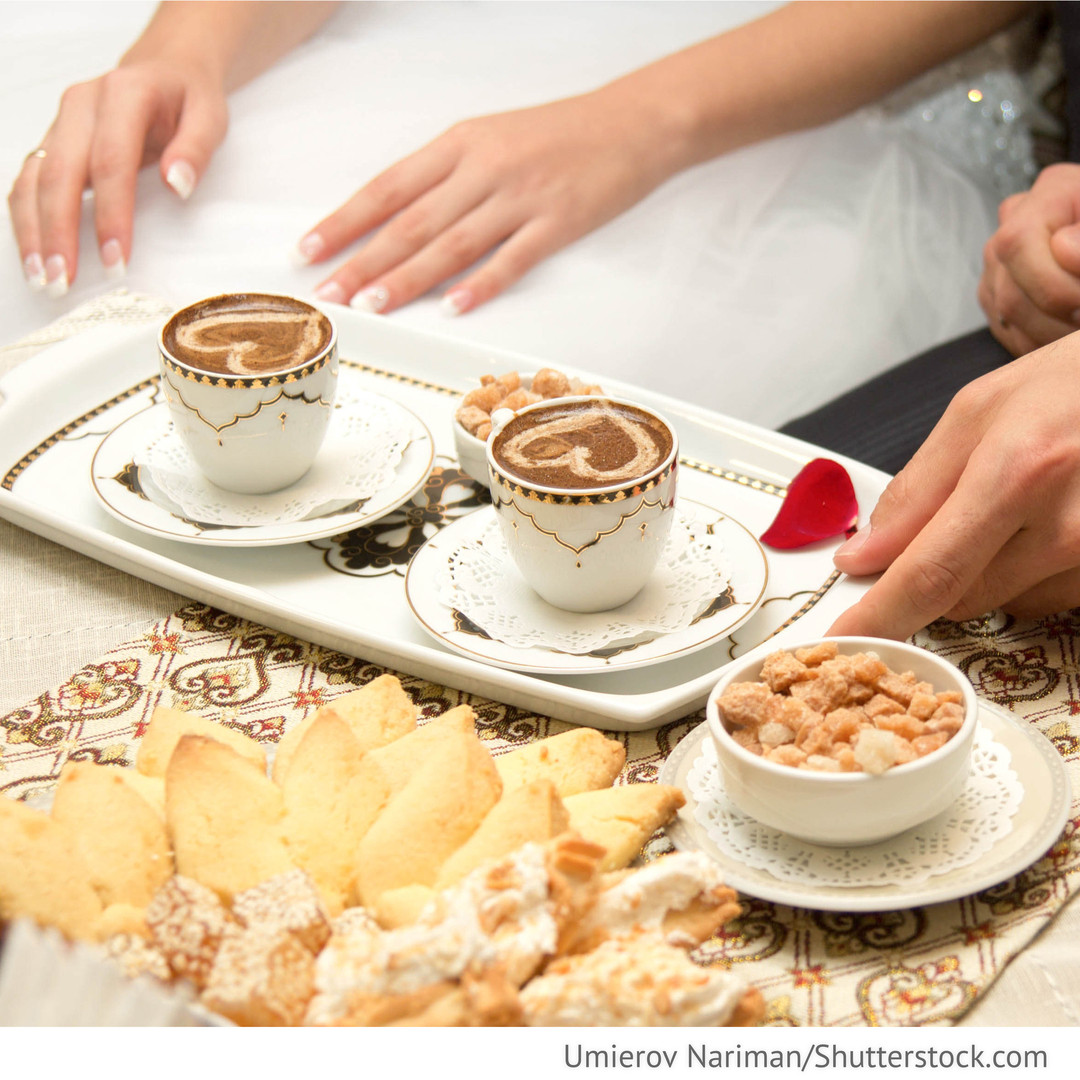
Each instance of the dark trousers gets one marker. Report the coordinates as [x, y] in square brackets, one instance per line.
[884, 421]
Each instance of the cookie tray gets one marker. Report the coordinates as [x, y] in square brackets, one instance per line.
[347, 592]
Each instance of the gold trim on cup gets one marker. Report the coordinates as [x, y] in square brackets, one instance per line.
[645, 504]
[252, 382]
[557, 496]
[219, 428]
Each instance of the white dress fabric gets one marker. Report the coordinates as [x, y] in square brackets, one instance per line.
[761, 284]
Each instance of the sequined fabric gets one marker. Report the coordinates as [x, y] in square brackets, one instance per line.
[991, 111]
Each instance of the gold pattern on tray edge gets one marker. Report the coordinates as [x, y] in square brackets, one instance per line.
[20, 466]
[28, 459]
[812, 601]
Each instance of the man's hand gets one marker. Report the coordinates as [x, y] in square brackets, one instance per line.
[987, 513]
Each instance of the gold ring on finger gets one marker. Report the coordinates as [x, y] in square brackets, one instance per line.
[38, 153]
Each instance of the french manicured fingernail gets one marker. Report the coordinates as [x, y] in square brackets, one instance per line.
[854, 545]
[456, 301]
[34, 269]
[308, 249]
[181, 178]
[331, 292]
[372, 300]
[112, 259]
[56, 275]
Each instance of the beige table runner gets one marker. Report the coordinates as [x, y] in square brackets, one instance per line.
[922, 966]
[69, 607]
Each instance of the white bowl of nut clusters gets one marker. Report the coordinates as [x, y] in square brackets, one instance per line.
[472, 419]
[843, 741]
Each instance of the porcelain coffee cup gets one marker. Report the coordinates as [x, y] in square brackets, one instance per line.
[586, 546]
[250, 380]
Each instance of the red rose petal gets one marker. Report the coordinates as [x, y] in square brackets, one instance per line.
[820, 503]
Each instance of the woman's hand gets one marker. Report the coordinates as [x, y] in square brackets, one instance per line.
[1030, 287]
[105, 131]
[518, 186]
[515, 186]
[987, 512]
[164, 102]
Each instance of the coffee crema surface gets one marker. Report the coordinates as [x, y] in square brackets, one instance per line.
[247, 334]
[582, 444]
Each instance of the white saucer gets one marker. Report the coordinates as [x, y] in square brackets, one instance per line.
[749, 577]
[129, 494]
[1037, 824]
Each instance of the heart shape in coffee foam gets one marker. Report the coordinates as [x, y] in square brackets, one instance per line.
[248, 343]
[820, 503]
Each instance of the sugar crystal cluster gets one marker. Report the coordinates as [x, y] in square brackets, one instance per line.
[822, 710]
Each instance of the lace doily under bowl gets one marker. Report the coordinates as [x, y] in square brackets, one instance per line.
[870, 881]
[847, 808]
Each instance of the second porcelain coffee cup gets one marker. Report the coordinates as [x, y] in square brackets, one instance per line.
[584, 493]
[250, 379]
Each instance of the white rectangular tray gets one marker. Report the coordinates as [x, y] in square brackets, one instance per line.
[58, 407]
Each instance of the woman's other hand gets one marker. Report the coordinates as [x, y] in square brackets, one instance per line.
[105, 131]
[517, 186]
[165, 102]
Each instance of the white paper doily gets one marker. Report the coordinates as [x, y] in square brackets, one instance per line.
[982, 814]
[365, 440]
[693, 569]
[727, 610]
